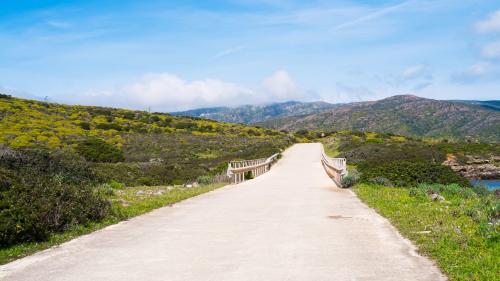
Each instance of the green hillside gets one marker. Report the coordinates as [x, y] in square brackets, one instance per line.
[139, 147]
[248, 114]
[405, 115]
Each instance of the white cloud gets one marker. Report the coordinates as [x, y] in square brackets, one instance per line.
[491, 50]
[491, 24]
[168, 92]
[227, 52]
[376, 14]
[281, 87]
[476, 72]
[417, 71]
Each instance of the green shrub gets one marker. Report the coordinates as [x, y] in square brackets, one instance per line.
[130, 115]
[204, 179]
[481, 190]
[248, 175]
[253, 133]
[97, 150]
[154, 118]
[145, 181]
[302, 133]
[44, 192]
[116, 185]
[348, 181]
[407, 174]
[449, 189]
[108, 126]
[186, 125]
[84, 125]
[381, 181]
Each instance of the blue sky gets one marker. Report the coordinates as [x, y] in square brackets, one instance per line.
[175, 55]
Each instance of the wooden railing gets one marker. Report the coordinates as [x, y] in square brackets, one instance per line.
[238, 169]
[336, 168]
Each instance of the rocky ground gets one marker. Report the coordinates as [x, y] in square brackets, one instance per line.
[474, 167]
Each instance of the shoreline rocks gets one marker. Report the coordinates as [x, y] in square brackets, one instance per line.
[475, 167]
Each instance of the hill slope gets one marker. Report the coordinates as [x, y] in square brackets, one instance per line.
[248, 114]
[134, 147]
[406, 115]
[488, 104]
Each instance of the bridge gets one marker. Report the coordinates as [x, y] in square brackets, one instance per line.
[239, 171]
[291, 222]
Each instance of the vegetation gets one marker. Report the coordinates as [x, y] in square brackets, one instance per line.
[249, 114]
[134, 147]
[359, 147]
[460, 233]
[406, 173]
[97, 150]
[404, 115]
[42, 192]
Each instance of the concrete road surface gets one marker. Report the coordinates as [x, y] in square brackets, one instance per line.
[289, 224]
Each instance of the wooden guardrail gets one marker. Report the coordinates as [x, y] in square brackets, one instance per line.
[237, 169]
[336, 168]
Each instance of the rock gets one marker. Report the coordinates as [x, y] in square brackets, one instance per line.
[140, 192]
[423, 232]
[189, 185]
[124, 202]
[437, 197]
[158, 192]
[474, 167]
[195, 184]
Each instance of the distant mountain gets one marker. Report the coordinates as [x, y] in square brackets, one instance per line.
[488, 104]
[406, 115]
[248, 114]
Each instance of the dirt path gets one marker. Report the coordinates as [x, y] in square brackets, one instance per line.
[289, 224]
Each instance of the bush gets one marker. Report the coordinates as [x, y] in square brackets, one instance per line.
[130, 115]
[248, 175]
[43, 192]
[97, 150]
[302, 132]
[404, 173]
[449, 189]
[108, 126]
[253, 133]
[186, 125]
[381, 181]
[84, 125]
[204, 179]
[348, 181]
[481, 190]
[116, 185]
[148, 181]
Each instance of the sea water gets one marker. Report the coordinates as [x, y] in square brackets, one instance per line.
[490, 184]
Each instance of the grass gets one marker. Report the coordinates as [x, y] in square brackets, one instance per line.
[126, 203]
[331, 146]
[457, 233]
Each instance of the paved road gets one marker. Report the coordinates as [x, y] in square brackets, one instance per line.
[289, 224]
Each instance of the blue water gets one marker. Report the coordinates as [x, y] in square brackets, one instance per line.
[490, 184]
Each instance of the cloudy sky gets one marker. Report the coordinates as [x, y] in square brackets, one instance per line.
[176, 55]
